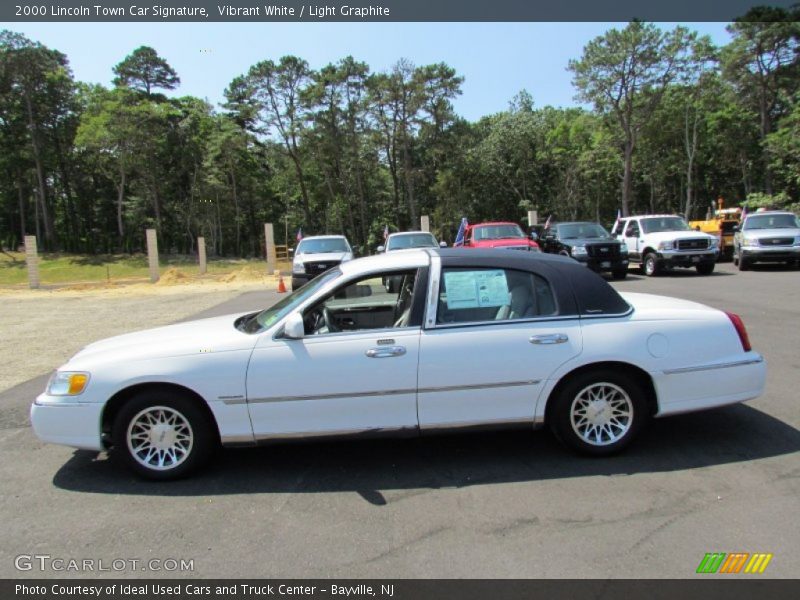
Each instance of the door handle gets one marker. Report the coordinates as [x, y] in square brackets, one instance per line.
[386, 352]
[549, 339]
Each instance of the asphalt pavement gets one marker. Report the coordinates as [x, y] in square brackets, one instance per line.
[510, 504]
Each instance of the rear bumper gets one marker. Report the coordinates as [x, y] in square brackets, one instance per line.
[699, 387]
[67, 423]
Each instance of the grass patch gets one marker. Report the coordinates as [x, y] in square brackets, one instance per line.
[74, 268]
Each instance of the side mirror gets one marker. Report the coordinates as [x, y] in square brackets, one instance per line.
[534, 237]
[291, 250]
[442, 244]
[294, 328]
[736, 228]
[381, 249]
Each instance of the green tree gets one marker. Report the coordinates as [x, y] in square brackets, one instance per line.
[145, 70]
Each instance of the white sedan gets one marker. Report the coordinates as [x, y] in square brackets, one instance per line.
[470, 338]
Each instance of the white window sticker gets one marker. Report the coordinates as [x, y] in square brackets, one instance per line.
[476, 289]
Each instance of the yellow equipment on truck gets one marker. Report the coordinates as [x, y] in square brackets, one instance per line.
[720, 222]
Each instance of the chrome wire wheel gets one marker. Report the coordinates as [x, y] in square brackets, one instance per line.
[601, 414]
[159, 438]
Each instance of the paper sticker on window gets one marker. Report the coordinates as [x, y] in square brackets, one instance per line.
[476, 289]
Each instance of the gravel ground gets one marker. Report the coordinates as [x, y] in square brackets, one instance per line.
[40, 330]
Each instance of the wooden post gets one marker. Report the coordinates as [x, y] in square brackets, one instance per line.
[201, 254]
[533, 218]
[152, 254]
[32, 261]
[269, 242]
[425, 223]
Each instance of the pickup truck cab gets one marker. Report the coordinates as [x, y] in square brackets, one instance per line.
[661, 242]
[588, 243]
[500, 234]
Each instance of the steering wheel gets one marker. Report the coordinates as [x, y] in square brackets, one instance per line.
[328, 319]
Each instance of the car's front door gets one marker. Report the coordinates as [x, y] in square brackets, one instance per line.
[631, 236]
[354, 371]
[496, 340]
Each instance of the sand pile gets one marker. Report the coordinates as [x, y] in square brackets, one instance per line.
[172, 276]
[244, 274]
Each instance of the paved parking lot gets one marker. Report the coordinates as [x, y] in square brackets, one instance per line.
[482, 505]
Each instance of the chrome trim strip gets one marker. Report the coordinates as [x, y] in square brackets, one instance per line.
[246, 439]
[740, 363]
[449, 388]
[427, 427]
[229, 397]
[365, 432]
[479, 386]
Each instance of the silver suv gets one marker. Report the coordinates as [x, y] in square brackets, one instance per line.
[767, 236]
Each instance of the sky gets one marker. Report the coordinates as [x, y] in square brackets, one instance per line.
[497, 60]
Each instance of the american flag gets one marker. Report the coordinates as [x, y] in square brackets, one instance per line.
[462, 230]
[299, 235]
[385, 232]
[547, 223]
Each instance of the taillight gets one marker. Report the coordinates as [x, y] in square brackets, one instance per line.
[738, 324]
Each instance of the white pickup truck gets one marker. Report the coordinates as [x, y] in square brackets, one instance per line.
[661, 242]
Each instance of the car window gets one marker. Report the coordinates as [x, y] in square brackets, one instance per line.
[498, 232]
[373, 302]
[417, 240]
[633, 229]
[483, 294]
[661, 224]
[322, 246]
[774, 221]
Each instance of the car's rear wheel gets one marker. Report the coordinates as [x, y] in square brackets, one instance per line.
[162, 435]
[599, 412]
[650, 264]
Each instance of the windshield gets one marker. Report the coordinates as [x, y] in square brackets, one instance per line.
[416, 240]
[497, 232]
[657, 224]
[322, 246]
[775, 221]
[583, 231]
[267, 318]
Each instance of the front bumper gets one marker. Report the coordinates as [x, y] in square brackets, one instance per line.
[76, 424]
[598, 264]
[767, 254]
[672, 258]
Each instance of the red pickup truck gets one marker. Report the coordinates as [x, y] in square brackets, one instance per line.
[499, 234]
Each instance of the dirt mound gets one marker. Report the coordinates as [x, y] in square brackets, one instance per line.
[172, 276]
[244, 274]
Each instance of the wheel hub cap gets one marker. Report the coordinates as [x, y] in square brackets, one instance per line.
[160, 438]
[601, 414]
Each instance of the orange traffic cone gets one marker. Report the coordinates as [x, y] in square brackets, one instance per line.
[281, 286]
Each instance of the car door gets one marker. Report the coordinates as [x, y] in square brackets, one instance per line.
[632, 237]
[487, 354]
[344, 376]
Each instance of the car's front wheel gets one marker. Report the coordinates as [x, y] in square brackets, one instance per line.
[619, 273]
[705, 268]
[650, 264]
[599, 412]
[162, 435]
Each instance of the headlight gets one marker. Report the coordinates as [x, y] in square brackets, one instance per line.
[714, 243]
[797, 241]
[298, 267]
[67, 383]
[348, 256]
[579, 251]
[623, 248]
[749, 242]
[666, 245]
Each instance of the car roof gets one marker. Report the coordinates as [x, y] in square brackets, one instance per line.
[769, 212]
[324, 237]
[650, 216]
[493, 223]
[578, 289]
[402, 233]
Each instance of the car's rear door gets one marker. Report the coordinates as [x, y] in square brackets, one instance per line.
[485, 356]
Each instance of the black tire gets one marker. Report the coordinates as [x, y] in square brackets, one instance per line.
[619, 273]
[650, 265]
[189, 419]
[705, 268]
[623, 392]
[735, 260]
[743, 264]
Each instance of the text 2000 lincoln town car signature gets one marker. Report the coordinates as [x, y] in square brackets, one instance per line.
[469, 338]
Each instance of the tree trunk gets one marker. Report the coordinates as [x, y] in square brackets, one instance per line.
[120, 200]
[627, 174]
[41, 189]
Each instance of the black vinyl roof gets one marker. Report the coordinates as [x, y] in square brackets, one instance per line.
[578, 290]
